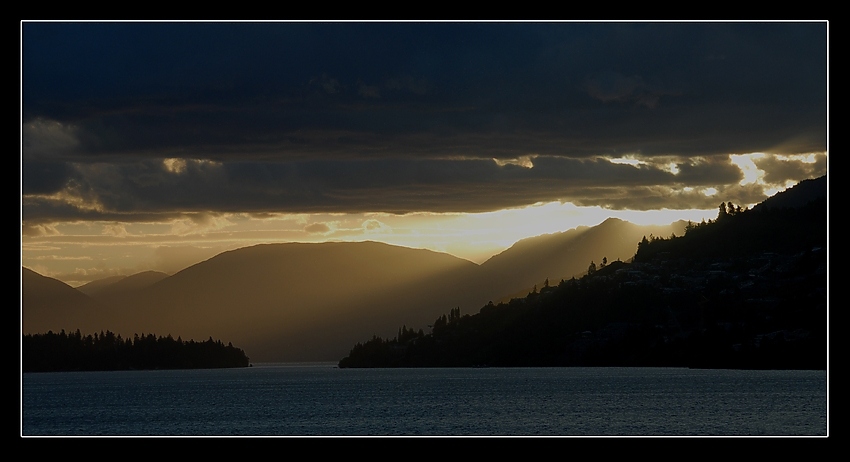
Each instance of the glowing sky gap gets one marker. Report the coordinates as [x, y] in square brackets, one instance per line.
[181, 140]
[474, 236]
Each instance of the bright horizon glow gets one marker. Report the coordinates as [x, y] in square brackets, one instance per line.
[478, 236]
[80, 252]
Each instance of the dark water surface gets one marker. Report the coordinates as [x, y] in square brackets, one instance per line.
[319, 399]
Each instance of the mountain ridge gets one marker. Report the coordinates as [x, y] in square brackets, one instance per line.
[312, 301]
[121, 285]
[40, 311]
[745, 291]
[288, 296]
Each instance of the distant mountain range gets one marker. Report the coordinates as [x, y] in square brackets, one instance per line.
[563, 255]
[311, 302]
[50, 304]
[121, 284]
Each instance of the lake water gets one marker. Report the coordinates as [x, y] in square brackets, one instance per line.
[321, 400]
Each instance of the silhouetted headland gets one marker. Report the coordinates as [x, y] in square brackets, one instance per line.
[53, 352]
[744, 291]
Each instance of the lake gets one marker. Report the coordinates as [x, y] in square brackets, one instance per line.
[322, 400]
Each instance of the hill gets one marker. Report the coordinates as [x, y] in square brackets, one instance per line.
[311, 302]
[121, 286]
[50, 304]
[304, 302]
[748, 290]
[93, 288]
[563, 255]
[291, 302]
[797, 196]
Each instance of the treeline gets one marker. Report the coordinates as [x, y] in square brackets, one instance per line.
[738, 232]
[745, 291]
[613, 319]
[106, 351]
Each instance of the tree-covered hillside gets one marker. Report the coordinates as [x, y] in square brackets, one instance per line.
[747, 290]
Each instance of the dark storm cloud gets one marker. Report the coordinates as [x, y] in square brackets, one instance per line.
[404, 116]
[40, 177]
[778, 171]
[152, 189]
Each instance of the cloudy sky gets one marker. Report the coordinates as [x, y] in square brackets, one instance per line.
[154, 145]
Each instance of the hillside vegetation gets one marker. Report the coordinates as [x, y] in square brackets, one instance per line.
[747, 290]
[53, 352]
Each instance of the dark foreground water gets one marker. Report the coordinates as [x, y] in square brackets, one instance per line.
[319, 399]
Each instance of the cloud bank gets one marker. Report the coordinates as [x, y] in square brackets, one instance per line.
[152, 121]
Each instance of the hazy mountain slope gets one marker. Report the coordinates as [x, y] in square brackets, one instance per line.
[50, 304]
[138, 281]
[95, 287]
[121, 286]
[297, 301]
[567, 254]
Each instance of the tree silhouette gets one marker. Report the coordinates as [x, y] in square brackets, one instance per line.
[107, 351]
[722, 214]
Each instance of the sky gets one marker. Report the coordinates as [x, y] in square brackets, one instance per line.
[154, 145]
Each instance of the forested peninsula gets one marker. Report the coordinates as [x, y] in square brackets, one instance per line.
[52, 352]
[745, 291]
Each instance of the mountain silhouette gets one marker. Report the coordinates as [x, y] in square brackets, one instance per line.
[301, 302]
[290, 302]
[745, 291]
[798, 195]
[308, 302]
[95, 287]
[563, 255]
[50, 304]
[121, 286]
